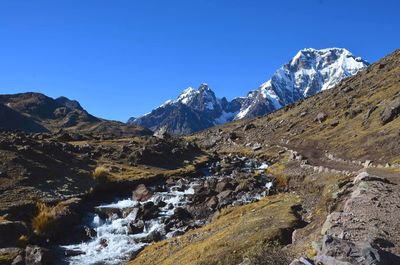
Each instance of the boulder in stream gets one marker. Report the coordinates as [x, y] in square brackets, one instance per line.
[148, 210]
[153, 236]
[181, 214]
[136, 227]
[142, 193]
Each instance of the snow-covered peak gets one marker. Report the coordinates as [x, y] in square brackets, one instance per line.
[330, 57]
[312, 70]
[204, 86]
[307, 73]
[186, 95]
[192, 110]
[202, 98]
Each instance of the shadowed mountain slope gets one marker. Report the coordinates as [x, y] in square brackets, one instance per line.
[35, 112]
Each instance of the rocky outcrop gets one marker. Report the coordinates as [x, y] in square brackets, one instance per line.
[336, 251]
[12, 256]
[363, 230]
[391, 111]
[36, 255]
[321, 117]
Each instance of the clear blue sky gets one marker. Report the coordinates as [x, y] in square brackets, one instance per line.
[122, 58]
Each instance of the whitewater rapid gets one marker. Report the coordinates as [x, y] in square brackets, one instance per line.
[112, 243]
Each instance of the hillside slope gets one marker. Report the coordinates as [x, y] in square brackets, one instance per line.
[356, 120]
[35, 112]
[338, 154]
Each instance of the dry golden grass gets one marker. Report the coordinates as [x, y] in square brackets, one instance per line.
[101, 174]
[311, 252]
[234, 234]
[6, 258]
[2, 219]
[129, 173]
[43, 222]
[269, 254]
[278, 171]
[22, 241]
[48, 218]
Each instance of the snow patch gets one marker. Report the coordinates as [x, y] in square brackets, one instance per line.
[186, 95]
[243, 113]
[225, 117]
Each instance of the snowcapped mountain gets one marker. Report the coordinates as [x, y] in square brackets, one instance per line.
[307, 73]
[192, 110]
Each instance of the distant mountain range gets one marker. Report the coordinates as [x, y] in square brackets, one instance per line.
[307, 73]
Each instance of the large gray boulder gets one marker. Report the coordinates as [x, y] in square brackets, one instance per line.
[391, 111]
[335, 251]
[35, 255]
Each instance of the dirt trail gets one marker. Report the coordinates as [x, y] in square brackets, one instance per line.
[318, 157]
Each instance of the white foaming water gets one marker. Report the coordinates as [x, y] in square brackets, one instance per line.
[120, 204]
[263, 166]
[269, 185]
[113, 244]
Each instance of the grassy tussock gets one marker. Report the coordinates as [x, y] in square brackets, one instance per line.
[101, 174]
[43, 222]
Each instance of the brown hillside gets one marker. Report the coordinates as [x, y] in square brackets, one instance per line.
[356, 120]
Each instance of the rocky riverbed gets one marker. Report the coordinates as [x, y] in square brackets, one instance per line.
[117, 231]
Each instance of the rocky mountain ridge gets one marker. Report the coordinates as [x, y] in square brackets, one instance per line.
[36, 112]
[306, 74]
[193, 110]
